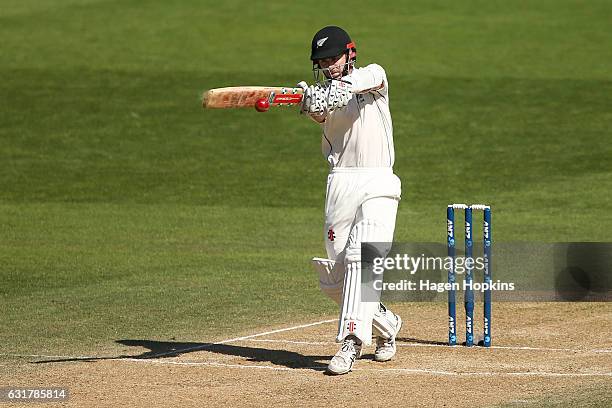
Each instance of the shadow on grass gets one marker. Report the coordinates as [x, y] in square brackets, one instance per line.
[165, 349]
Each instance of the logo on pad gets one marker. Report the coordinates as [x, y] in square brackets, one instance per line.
[331, 235]
[351, 326]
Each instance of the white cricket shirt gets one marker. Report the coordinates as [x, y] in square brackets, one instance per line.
[361, 133]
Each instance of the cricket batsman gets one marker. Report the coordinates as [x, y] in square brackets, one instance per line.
[352, 107]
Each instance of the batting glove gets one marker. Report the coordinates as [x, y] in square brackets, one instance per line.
[314, 99]
[338, 94]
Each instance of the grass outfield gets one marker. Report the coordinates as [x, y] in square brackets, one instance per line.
[128, 212]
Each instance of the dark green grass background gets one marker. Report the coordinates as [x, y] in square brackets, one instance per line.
[128, 212]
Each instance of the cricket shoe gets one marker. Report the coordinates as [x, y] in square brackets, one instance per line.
[386, 348]
[343, 361]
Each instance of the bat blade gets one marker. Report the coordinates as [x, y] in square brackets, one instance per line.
[247, 96]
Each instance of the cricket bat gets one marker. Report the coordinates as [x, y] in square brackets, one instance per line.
[259, 97]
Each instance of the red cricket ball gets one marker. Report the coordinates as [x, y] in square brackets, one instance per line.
[262, 105]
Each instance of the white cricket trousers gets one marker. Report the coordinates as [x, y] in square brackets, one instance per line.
[360, 206]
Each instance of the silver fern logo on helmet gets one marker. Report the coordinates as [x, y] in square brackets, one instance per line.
[321, 41]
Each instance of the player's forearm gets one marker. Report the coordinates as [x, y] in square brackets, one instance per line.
[370, 78]
[318, 117]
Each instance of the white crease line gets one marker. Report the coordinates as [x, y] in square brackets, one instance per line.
[277, 331]
[308, 343]
[553, 349]
[178, 351]
[488, 373]
[205, 346]
[321, 343]
[400, 370]
[508, 348]
[537, 373]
